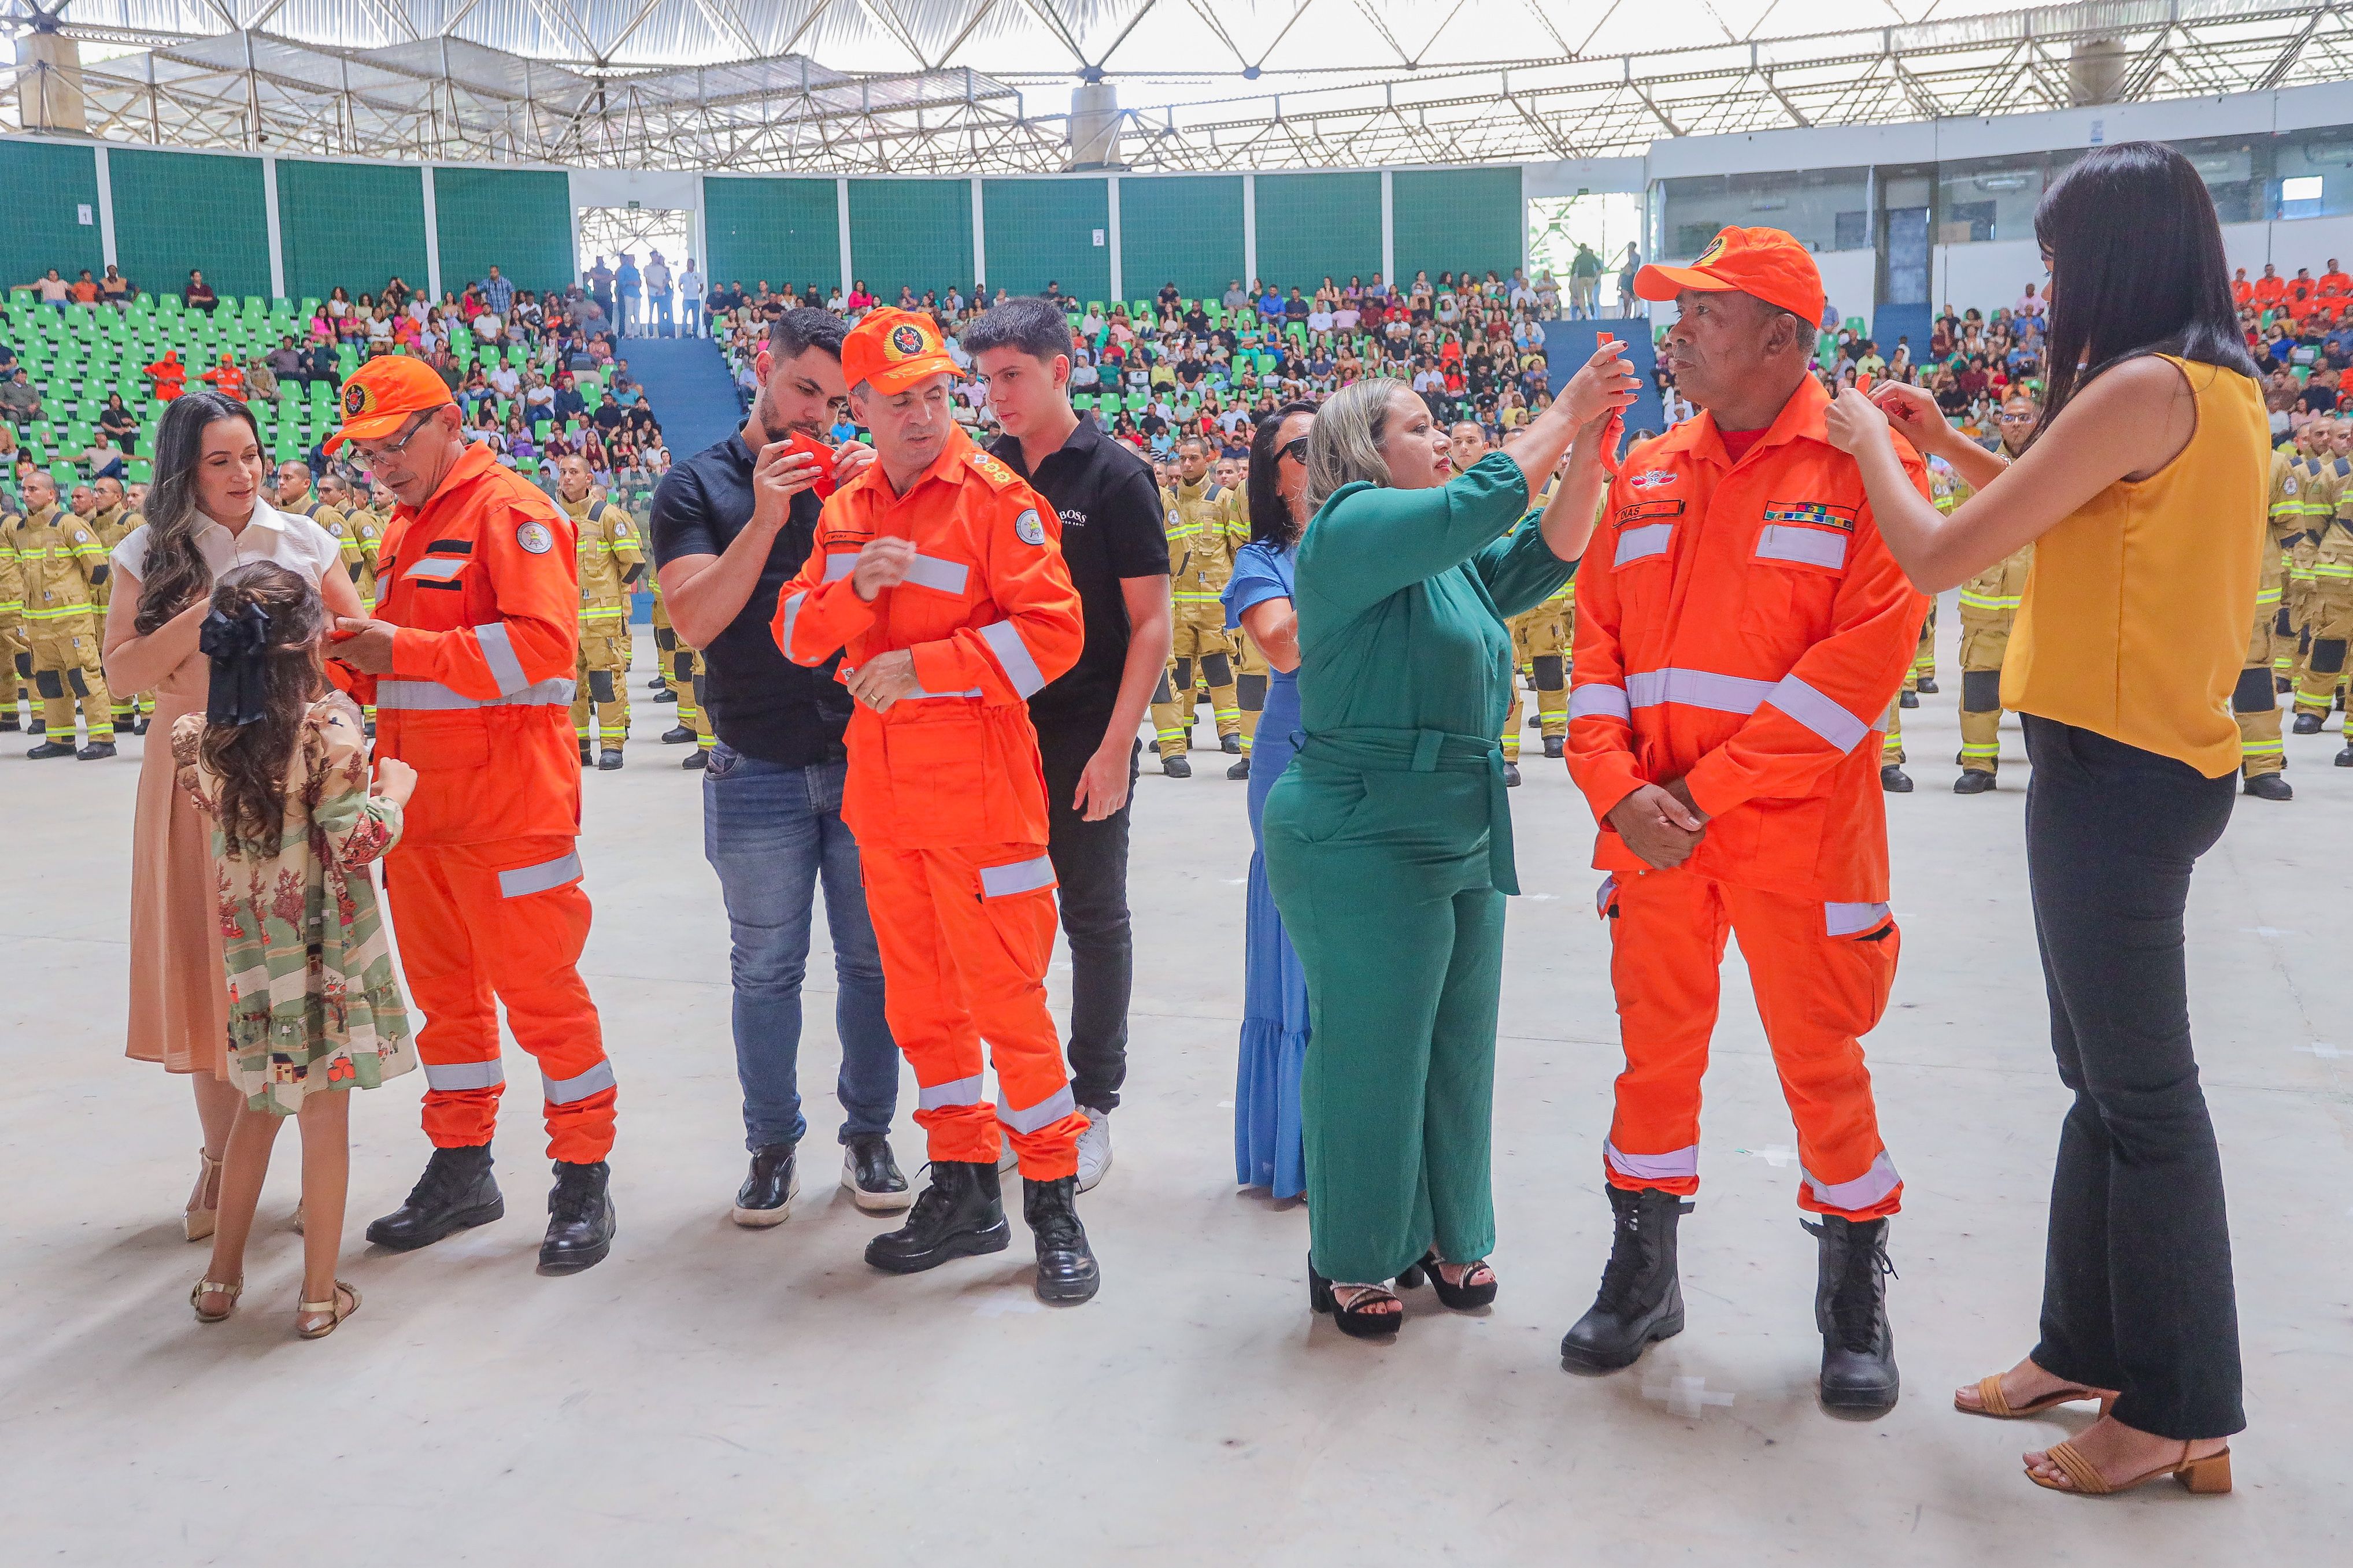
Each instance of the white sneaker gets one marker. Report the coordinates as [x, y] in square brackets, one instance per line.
[1094, 1150]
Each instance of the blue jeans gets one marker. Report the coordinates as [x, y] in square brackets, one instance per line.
[771, 833]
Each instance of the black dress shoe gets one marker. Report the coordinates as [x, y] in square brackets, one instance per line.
[2269, 786]
[96, 751]
[1973, 781]
[455, 1192]
[608, 760]
[49, 749]
[1230, 744]
[1895, 780]
[1850, 1310]
[1555, 746]
[1067, 1271]
[696, 761]
[2306, 724]
[1239, 770]
[580, 1222]
[766, 1198]
[679, 736]
[960, 1214]
[872, 1176]
[1909, 699]
[1511, 776]
[1641, 1296]
[1176, 767]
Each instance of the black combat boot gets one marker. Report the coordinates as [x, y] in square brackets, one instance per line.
[679, 735]
[1230, 744]
[1893, 779]
[2269, 786]
[960, 1214]
[1066, 1265]
[1642, 1298]
[1554, 745]
[1973, 781]
[1511, 776]
[2345, 757]
[1926, 686]
[1239, 770]
[580, 1222]
[608, 759]
[1176, 767]
[1850, 1310]
[97, 750]
[49, 749]
[457, 1191]
[587, 756]
[2306, 724]
[1909, 699]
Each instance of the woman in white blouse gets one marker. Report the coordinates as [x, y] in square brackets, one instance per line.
[205, 519]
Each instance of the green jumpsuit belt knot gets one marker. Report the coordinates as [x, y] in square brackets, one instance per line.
[1370, 750]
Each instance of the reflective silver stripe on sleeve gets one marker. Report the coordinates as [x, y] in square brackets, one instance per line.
[525, 880]
[566, 1090]
[1696, 688]
[931, 571]
[1667, 1167]
[1642, 544]
[498, 652]
[1865, 1191]
[1846, 919]
[442, 567]
[1045, 1113]
[1004, 640]
[1598, 699]
[839, 563]
[449, 1077]
[940, 1096]
[1818, 713]
[792, 614]
[414, 696]
[1814, 546]
[1021, 877]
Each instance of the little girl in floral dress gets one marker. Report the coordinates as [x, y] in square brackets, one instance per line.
[279, 765]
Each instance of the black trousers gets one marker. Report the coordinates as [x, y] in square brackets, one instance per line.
[1091, 867]
[2136, 1291]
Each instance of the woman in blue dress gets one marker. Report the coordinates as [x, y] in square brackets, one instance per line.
[1267, 1139]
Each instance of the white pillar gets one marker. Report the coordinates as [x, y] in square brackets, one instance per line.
[105, 207]
[979, 235]
[841, 221]
[701, 243]
[1111, 234]
[1389, 226]
[432, 235]
[1250, 229]
[269, 218]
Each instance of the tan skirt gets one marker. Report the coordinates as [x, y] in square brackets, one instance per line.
[179, 989]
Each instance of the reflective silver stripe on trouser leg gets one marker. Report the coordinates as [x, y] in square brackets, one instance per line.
[942, 1096]
[1846, 919]
[1598, 699]
[1866, 1191]
[1045, 1113]
[568, 1090]
[1021, 877]
[451, 1077]
[1674, 1165]
[498, 652]
[524, 881]
[1004, 640]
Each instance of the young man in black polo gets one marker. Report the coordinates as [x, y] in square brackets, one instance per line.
[730, 526]
[1117, 551]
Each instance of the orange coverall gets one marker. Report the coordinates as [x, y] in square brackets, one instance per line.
[945, 794]
[171, 377]
[1742, 627]
[485, 884]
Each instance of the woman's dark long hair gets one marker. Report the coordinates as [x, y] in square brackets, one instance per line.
[251, 761]
[1269, 515]
[2158, 283]
[175, 574]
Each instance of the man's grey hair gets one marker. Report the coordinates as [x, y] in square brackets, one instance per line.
[1029, 325]
[1343, 445]
[795, 331]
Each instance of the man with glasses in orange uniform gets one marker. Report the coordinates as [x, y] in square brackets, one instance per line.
[470, 656]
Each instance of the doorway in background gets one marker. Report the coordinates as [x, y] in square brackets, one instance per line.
[640, 232]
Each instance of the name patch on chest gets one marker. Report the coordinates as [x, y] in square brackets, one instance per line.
[1649, 511]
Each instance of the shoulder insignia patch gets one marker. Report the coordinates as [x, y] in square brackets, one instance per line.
[621, 531]
[536, 537]
[1028, 529]
[2287, 485]
[990, 469]
[81, 537]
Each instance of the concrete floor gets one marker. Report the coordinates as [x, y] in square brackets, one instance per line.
[716, 1395]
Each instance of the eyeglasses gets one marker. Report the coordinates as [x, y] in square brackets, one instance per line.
[375, 453]
[1295, 449]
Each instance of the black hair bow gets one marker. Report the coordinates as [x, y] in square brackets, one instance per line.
[239, 647]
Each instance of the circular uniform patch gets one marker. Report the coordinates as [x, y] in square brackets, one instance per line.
[906, 340]
[536, 537]
[1028, 529]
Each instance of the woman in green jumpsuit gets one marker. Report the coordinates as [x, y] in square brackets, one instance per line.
[1388, 842]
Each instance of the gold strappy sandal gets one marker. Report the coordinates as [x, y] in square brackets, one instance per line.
[232, 1289]
[333, 1306]
[2208, 1473]
[200, 1223]
[2000, 1409]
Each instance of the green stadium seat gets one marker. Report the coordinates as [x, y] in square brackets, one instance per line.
[140, 472]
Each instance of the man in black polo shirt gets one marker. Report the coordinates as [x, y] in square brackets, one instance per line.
[730, 525]
[1117, 551]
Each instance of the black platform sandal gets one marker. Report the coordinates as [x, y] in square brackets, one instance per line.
[1464, 1298]
[1354, 1320]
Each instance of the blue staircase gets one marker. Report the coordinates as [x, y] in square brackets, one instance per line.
[686, 381]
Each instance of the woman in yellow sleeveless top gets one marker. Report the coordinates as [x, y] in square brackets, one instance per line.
[2143, 493]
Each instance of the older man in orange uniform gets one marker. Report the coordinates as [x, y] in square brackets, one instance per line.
[1744, 631]
[941, 573]
[472, 654]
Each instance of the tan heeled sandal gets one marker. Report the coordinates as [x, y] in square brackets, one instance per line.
[232, 1289]
[334, 1309]
[1997, 1407]
[200, 1223]
[2209, 1473]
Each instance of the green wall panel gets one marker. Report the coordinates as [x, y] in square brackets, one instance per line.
[357, 225]
[517, 220]
[48, 186]
[786, 231]
[1185, 227]
[1444, 220]
[1043, 231]
[1312, 224]
[915, 234]
[177, 210]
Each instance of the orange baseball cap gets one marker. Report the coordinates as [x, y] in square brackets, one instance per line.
[382, 394]
[1764, 263]
[893, 349]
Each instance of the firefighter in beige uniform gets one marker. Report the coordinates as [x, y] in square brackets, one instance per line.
[611, 564]
[1946, 490]
[2316, 502]
[18, 654]
[113, 520]
[1206, 524]
[60, 562]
